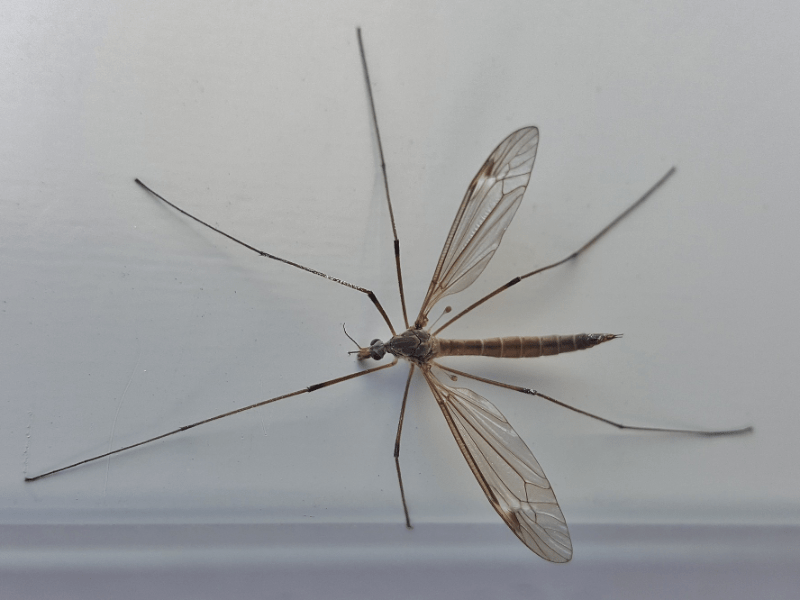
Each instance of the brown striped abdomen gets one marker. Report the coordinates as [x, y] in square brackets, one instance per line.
[522, 347]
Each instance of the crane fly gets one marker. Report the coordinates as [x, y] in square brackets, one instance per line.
[506, 470]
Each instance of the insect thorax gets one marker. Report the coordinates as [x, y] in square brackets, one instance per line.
[416, 345]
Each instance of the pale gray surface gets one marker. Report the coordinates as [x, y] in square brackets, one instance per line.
[382, 561]
[120, 319]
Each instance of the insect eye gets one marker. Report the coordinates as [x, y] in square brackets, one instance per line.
[377, 353]
[373, 342]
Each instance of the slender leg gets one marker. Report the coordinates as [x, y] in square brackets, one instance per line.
[306, 390]
[593, 416]
[385, 178]
[397, 447]
[575, 254]
[369, 293]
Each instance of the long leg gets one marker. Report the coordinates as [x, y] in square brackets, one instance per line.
[369, 293]
[575, 254]
[306, 390]
[397, 446]
[593, 416]
[385, 178]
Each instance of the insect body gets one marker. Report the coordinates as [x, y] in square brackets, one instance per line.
[421, 347]
[506, 470]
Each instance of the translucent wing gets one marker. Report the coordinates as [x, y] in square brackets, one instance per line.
[506, 469]
[485, 212]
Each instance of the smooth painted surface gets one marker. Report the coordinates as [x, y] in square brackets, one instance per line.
[120, 320]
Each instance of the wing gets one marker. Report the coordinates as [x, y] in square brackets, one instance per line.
[485, 212]
[506, 470]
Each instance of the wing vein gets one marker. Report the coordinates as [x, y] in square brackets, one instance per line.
[483, 216]
[506, 470]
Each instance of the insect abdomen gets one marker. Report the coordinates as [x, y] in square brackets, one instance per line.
[523, 347]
